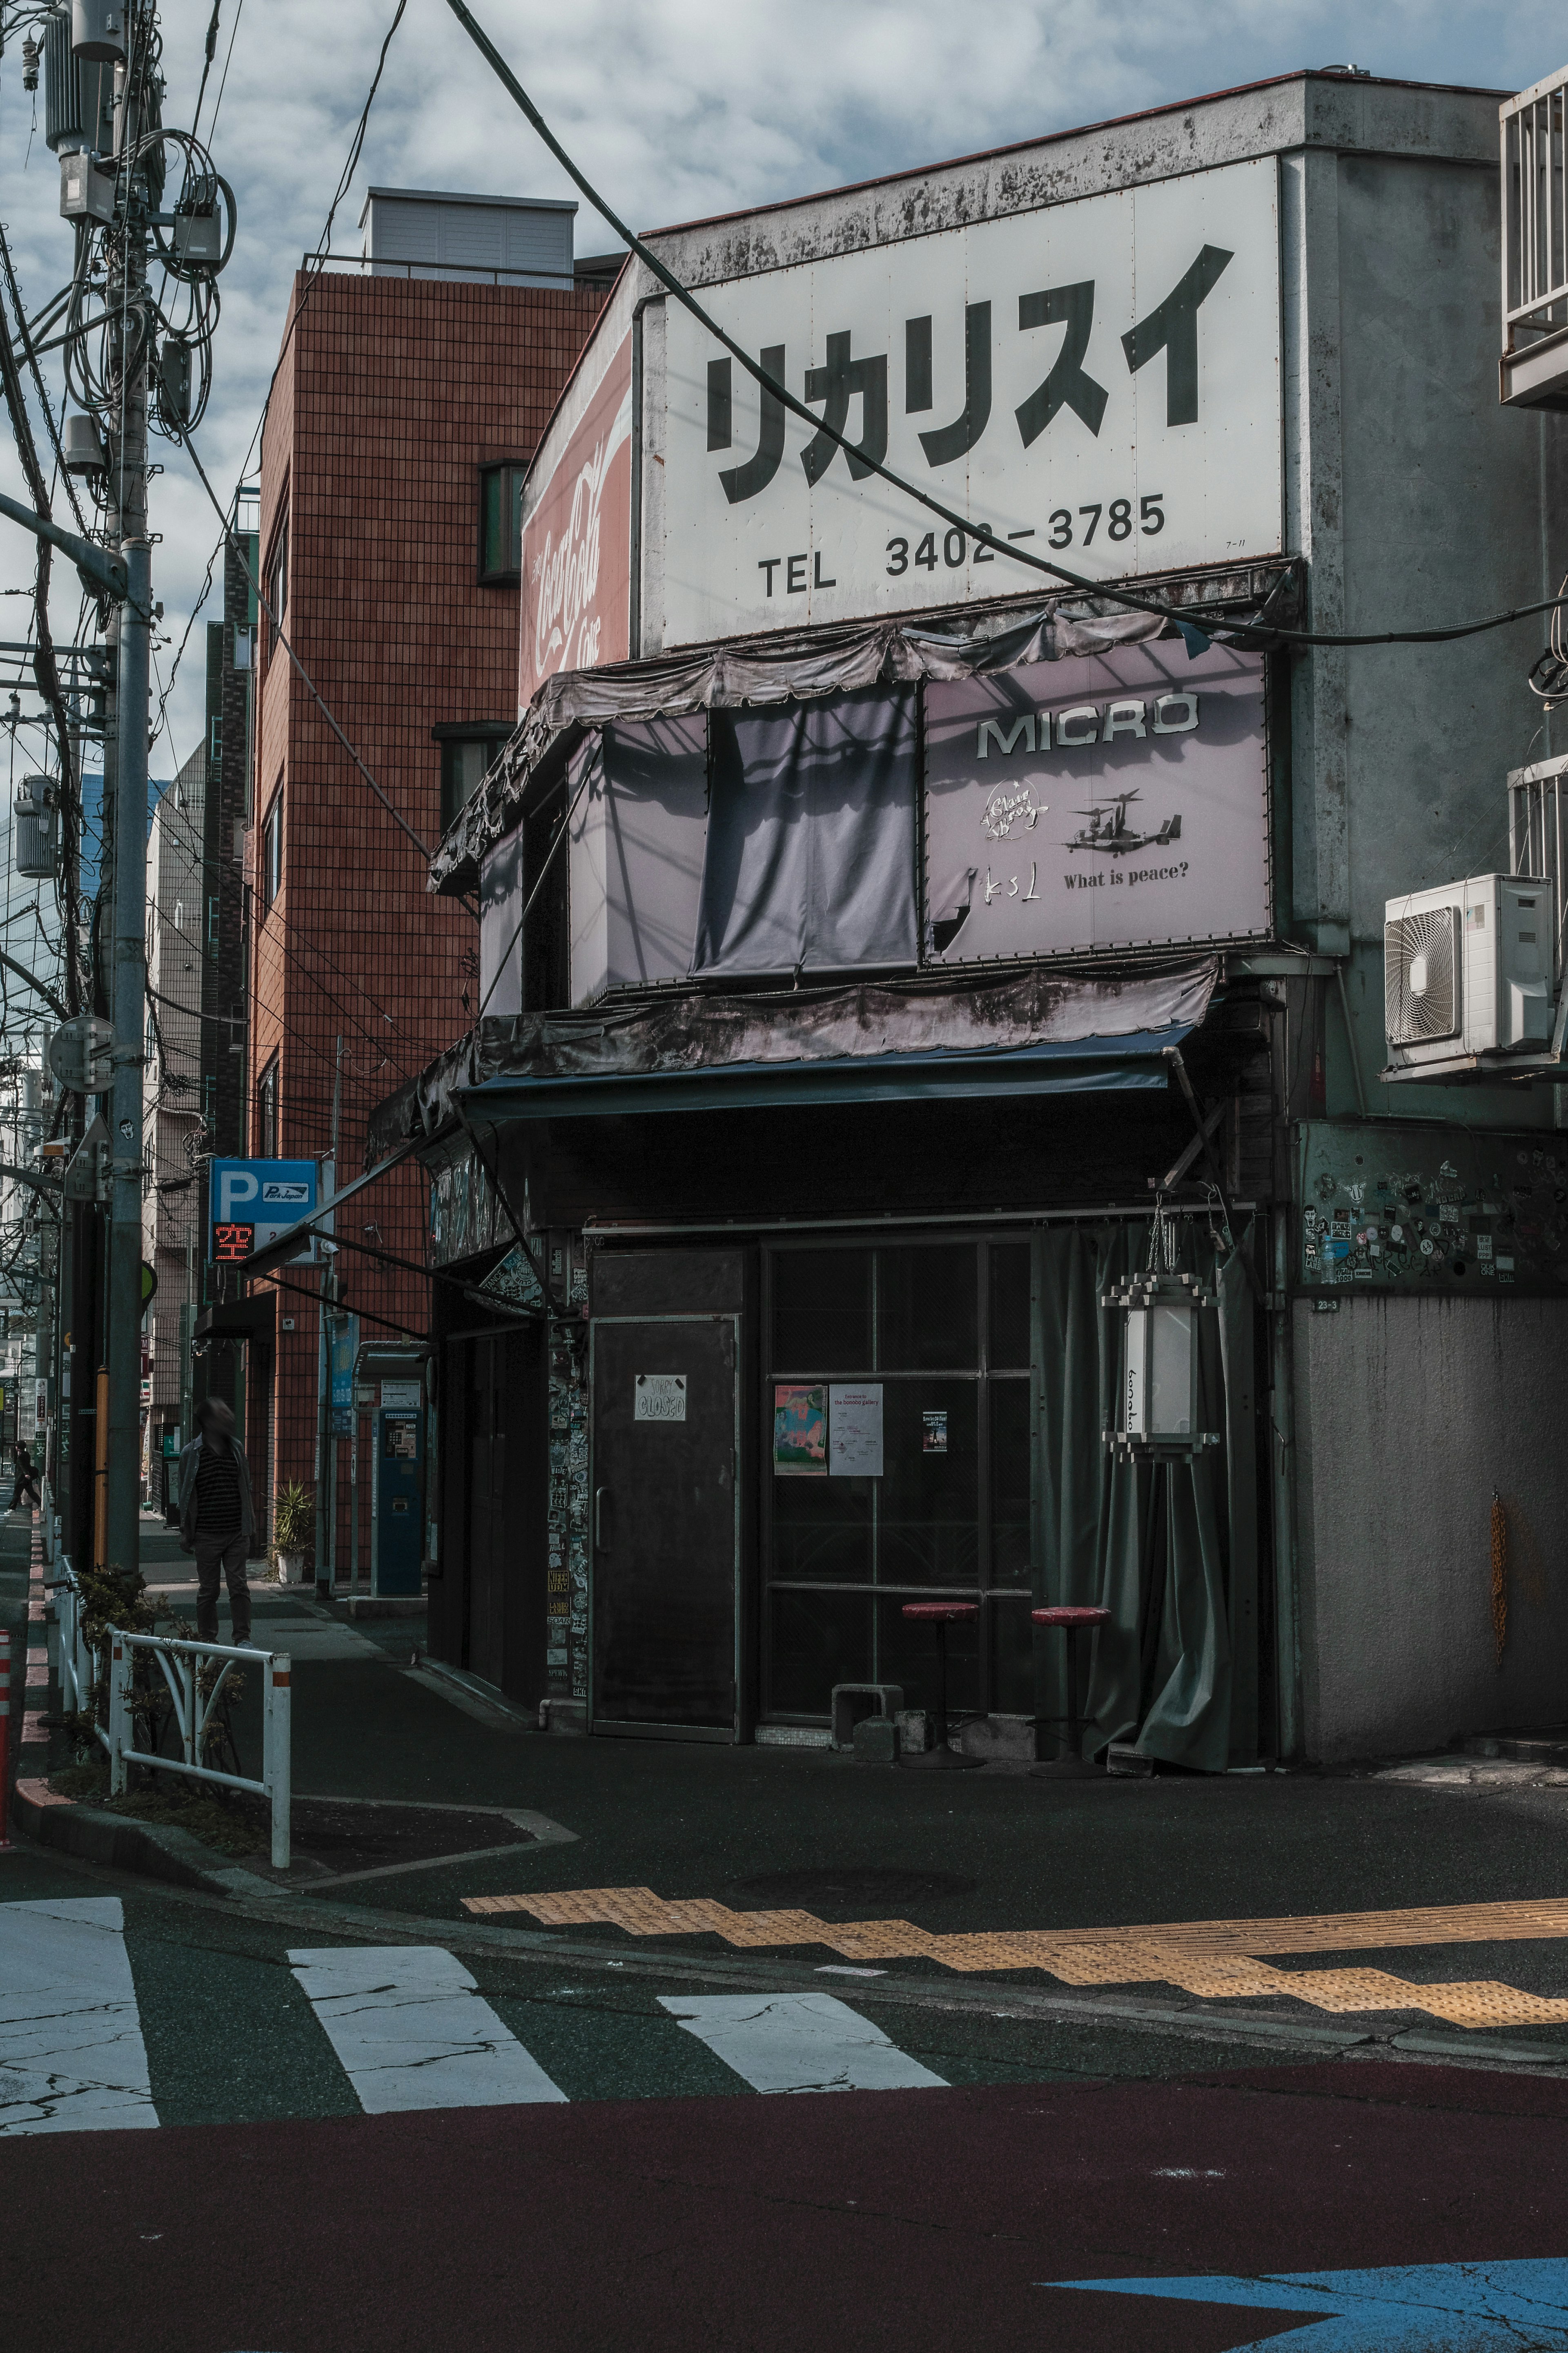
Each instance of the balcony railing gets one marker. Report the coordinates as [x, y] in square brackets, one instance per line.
[1534, 242]
[1535, 210]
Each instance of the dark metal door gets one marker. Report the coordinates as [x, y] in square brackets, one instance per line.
[665, 1530]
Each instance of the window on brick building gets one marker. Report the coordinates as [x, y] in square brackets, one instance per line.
[468, 749]
[278, 581]
[501, 524]
[272, 852]
[267, 1113]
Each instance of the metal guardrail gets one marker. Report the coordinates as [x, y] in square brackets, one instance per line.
[194, 1696]
[1534, 211]
[181, 1665]
[77, 1668]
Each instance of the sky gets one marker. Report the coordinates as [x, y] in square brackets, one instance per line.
[676, 108]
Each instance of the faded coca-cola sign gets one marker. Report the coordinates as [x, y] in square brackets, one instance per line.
[577, 543]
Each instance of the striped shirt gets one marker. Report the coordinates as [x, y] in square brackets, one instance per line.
[217, 1490]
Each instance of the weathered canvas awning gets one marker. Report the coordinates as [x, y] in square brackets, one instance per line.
[935, 1036]
[1079, 1066]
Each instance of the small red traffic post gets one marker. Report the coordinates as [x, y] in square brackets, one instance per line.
[5, 1738]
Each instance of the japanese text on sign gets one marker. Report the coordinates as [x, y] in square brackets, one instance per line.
[1099, 379]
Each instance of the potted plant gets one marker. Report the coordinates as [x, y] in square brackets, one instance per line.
[293, 1528]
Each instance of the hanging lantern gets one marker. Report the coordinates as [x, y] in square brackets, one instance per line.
[1157, 1410]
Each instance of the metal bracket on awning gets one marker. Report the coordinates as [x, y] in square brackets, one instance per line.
[278, 1253]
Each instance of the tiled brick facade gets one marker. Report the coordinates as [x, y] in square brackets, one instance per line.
[392, 394]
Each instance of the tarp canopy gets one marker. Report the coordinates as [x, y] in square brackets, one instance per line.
[967, 1018]
[1082, 1066]
[810, 862]
[822, 661]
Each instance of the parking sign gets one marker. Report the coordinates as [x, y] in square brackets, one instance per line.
[251, 1202]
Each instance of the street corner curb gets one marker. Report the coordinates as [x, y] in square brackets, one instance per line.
[153, 1850]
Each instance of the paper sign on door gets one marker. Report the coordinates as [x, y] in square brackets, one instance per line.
[660, 1396]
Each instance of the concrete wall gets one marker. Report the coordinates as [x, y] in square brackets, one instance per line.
[1418, 501]
[1409, 1412]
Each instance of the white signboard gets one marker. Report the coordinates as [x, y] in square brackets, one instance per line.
[855, 1429]
[1096, 381]
[1115, 800]
[660, 1396]
[399, 1397]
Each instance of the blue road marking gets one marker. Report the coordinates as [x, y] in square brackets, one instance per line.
[1406, 2308]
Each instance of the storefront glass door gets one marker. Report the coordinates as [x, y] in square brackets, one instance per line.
[896, 1403]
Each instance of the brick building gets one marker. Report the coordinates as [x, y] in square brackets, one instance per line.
[408, 399]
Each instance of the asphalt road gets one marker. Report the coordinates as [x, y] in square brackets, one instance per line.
[308, 2123]
[216, 2138]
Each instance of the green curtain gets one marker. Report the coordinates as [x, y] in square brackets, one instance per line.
[1153, 1543]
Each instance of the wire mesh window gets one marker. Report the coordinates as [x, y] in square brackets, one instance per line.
[896, 1399]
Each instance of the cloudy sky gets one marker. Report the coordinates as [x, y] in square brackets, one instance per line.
[676, 109]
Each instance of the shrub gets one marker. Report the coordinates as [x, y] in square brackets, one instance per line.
[293, 1518]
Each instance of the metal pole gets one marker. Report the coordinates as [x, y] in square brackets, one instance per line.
[133, 337]
[5, 1738]
[124, 1354]
[277, 1763]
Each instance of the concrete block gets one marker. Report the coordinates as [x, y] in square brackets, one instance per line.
[1009, 1739]
[914, 1730]
[1122, 1759]
[876, 1741]
[851, 1702]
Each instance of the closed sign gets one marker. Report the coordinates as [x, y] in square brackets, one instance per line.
[660, 1396]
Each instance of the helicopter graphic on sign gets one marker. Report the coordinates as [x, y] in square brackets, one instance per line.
[1109, 830]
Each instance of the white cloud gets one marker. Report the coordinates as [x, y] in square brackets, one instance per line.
[678, 108]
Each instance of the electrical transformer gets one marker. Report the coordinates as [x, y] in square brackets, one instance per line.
[87, 187]
[81, 445]
[35, 833]
[97, 30]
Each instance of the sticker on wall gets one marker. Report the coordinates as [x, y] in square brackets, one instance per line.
[659, 1397]
[855, 1429]
[933, 1432]
[800, 1431]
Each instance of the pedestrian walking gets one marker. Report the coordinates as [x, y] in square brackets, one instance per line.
[26, 1483]
[216, 1518]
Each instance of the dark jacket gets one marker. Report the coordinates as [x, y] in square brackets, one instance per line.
[190, 1462]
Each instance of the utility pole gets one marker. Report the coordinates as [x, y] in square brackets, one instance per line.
[125, 792]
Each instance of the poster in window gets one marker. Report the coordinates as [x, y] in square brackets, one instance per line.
[800, 1431]
[855, 1429]
[933, 1432]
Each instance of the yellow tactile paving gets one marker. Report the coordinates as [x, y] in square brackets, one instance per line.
[1217, 1960]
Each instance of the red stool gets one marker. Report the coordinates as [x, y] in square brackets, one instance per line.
[1073, 1622]
[941, 1615]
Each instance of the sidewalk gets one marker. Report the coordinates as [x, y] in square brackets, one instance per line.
[677, 1847]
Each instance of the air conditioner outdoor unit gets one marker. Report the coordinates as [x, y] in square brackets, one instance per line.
[1470, 968]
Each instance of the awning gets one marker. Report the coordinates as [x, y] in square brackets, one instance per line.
[1058, 1067]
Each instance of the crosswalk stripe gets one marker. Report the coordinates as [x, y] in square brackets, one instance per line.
[799, 2042]
[413, 2032]
[71, 2054]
